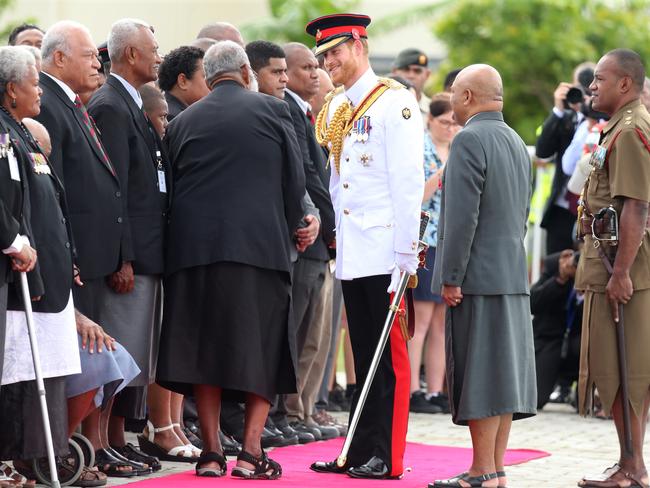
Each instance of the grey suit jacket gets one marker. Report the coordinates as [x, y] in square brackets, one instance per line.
[486, 193]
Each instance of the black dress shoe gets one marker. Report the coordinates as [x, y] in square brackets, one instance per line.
[327, 467]
[374, 469]
[299, 426]
[283, 426]
[229, 445]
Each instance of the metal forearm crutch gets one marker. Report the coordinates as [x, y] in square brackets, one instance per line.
[383, 339]
[39, 380]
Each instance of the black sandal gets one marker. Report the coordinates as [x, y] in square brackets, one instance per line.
[262, 467]
[110, 466]
[211, 457]
[473, 481]
[139, 468]
[132, 453]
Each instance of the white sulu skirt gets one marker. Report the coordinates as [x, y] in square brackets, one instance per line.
[57, 343]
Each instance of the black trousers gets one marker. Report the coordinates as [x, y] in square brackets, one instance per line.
[382, 426]
[551, 368]
[559, 223]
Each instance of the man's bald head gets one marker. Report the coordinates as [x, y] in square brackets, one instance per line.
[477, 88]
[293, 49]
[221, 31]
[204, 43]
[39, 132]
[629, 64]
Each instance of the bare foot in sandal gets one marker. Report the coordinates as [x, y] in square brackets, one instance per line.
[256, 467]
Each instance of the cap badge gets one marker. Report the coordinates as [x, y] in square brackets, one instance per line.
[406, 113]
[422, 59]
[319, 35]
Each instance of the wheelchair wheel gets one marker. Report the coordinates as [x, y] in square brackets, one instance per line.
[69, 466]
[86, 448]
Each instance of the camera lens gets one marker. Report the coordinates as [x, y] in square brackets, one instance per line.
[574, 95]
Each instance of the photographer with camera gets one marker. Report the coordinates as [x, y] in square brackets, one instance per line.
[557, 310]
[555, 136]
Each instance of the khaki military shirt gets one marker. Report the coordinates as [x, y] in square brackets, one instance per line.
[625, 173]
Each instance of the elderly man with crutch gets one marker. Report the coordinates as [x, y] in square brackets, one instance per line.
[614, 269]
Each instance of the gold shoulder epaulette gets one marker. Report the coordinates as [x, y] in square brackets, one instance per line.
[334, 92]
[391, 83]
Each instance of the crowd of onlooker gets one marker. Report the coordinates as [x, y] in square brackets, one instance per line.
[88, 126]
[88, 190]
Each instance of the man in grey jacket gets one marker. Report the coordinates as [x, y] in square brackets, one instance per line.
[482, 275]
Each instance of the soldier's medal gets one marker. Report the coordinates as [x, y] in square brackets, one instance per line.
[361, 129]
[4, 145]
[39, 163]
[406, 113]
[365, 159]
[597, 160]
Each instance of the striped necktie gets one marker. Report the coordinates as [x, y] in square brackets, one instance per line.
[90, 125]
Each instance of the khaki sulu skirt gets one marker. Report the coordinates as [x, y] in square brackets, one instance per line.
[599, 353]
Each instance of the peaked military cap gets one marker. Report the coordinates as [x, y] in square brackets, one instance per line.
[332, 30]
[409, 57]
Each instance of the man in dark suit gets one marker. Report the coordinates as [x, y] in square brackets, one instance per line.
[222, 247]
[554, 138]
[312, 277]
[94, 194]
[557, 311]
[182, 78]
[79, 159]
[135, 149]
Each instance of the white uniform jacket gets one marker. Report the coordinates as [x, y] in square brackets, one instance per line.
[378, 194]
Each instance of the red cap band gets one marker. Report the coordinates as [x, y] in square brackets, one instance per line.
[346, 29]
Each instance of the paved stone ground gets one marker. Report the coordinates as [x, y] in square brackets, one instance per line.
[578, 446]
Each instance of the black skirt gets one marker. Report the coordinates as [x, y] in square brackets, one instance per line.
[226, 324]
[21, 421]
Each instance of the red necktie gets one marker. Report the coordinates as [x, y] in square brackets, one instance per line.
[88, 122]
[310, 116]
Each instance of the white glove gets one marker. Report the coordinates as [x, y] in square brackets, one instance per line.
[408, 263]
[394, 279]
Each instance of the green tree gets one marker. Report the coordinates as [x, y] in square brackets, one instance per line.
[289, 18]
[535, 44]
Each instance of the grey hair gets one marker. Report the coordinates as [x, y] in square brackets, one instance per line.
[56, 38]
[224, 57]
[36, 52]
[15, 62]
[121, 36]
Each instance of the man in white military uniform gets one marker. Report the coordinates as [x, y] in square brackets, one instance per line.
[373, 130]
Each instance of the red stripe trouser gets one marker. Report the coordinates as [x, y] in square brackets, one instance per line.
[383, 423]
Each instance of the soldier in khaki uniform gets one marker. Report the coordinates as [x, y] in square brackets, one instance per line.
[621, 178]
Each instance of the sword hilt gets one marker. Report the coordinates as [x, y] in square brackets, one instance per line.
[424, 221]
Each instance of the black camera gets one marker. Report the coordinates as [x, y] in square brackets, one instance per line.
[573, 96]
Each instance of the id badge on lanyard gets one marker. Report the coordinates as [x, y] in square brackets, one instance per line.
[162, 182]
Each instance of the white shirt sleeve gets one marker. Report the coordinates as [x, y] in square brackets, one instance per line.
[17, 245]
[574, 151]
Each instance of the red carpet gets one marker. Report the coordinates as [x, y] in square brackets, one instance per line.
[427, 462]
